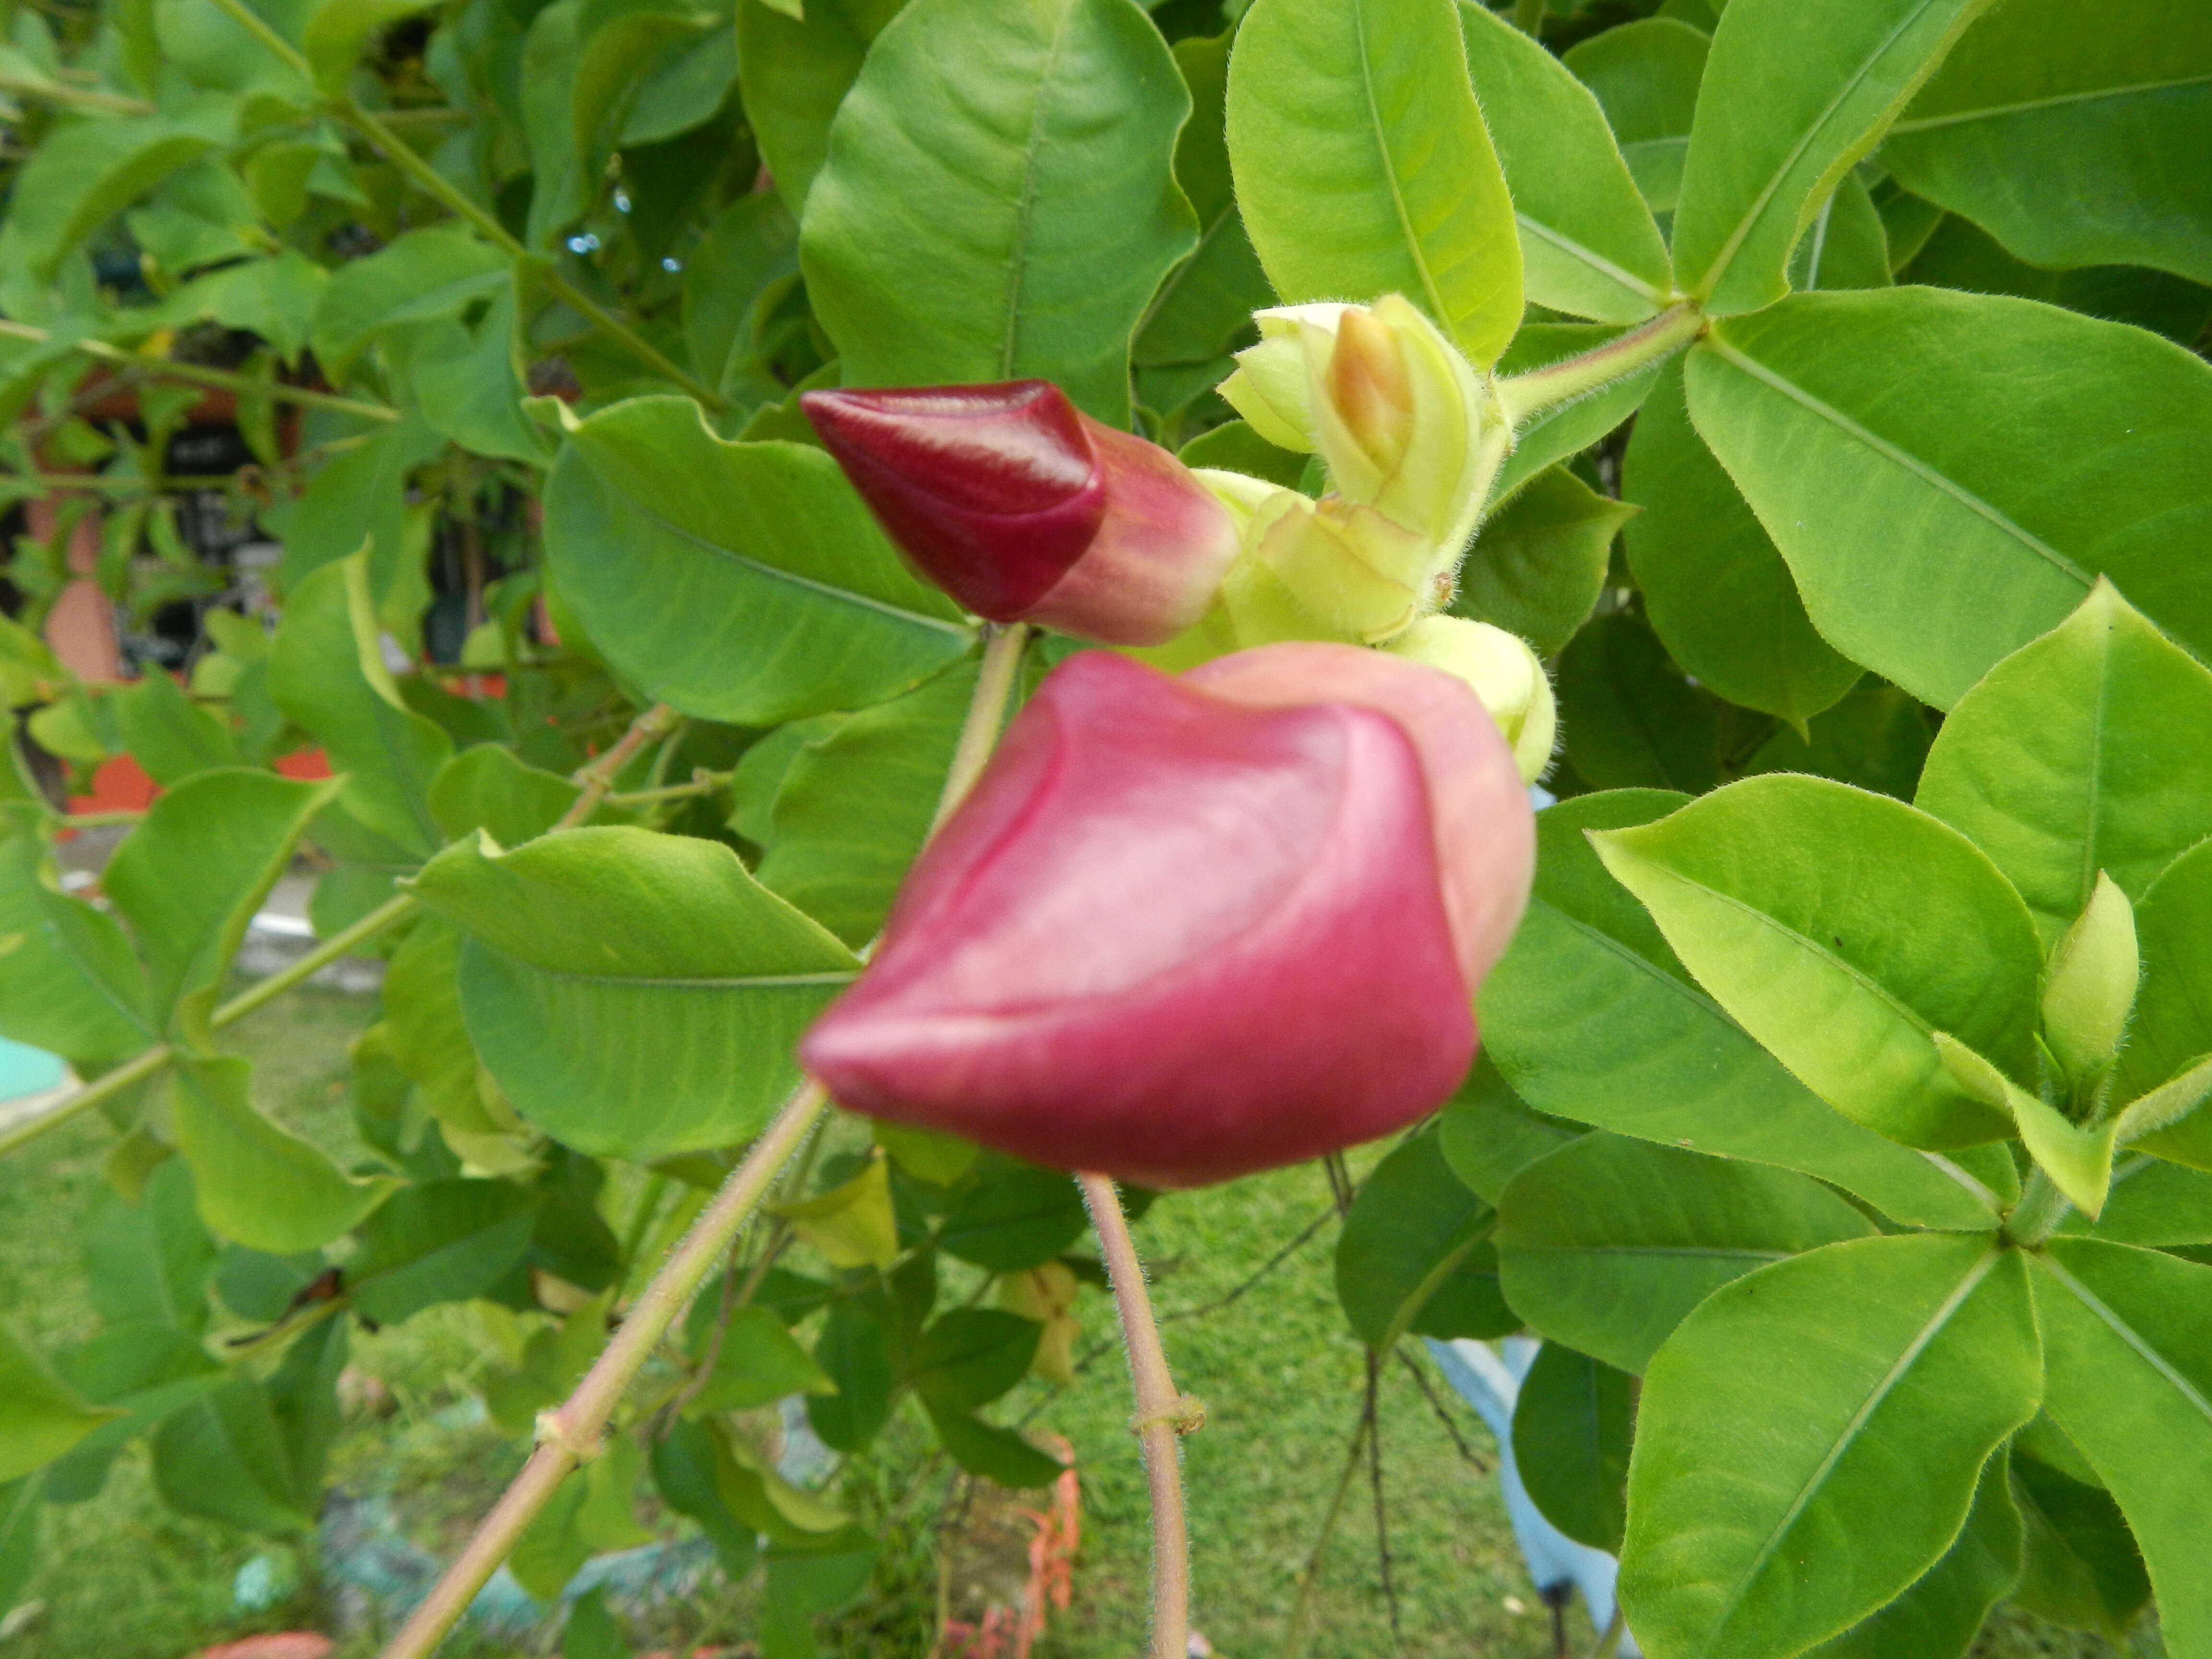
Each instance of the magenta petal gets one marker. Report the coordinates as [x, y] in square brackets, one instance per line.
[1168, 938]
[993, 491]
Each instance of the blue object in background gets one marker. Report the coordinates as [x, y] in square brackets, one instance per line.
[27, 1071]
[1489, 1379]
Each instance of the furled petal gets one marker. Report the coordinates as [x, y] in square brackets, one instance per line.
[1025, 509]
[1172, 936]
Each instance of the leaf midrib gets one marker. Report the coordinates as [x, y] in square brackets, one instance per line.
[1739, 359]
[2127, 1333]
[1597, 262]
[2056, 100]
[1927, 1332]
[1380, 134]
[1025, 208]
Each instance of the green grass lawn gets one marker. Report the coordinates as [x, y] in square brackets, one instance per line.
[125, 1578]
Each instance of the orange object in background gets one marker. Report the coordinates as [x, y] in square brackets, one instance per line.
[81, 627]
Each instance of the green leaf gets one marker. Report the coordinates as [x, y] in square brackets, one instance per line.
[168, 734]
[757, 1365]
[488, 786]
[1842, 929]
[2152, 1202]
[2078, 1157]
[444, 1240]
[1844, 245]
[2172, 1025]
[740, 582]
[40, 1418]
[1940, 1615]
[1608, 1244]
[1631, 719]
[855, 806]
[1564, 429]
[303, 1392]
[1008, 1216]
[1775, 1421]
[469, 382]
[1488, 1134]
[86, 171]
[622, 44]
[259, 1184]
[996, 1454]
[1587, 244]
[591, 1631]
[690, 1464]
[2128, 1337]
[1591, 1017]
[189, 877]
[1876, 737]
[426, 1035]
[1645, 74]
[69, 982]
[1795, 91]
[1891, 479]
[686, 89]
[276, 298]
[1415, 1253]
[748, 244]
[552, 1549]
[1204, 307]
[20, 1504]
[854, 1351]
[328, 674]
[604, 955]
[338, 30]
[420, 276]
[149, 1261]
[1572, 1424]
[2081, 752]
[223, 1456]
[794, 73]
[2072, 134]
[1958, 254]
[970, 1356]
[854, 1224]
[1363, 166]
[1539, 563]
[997, 201]
[361, 498]
[2082, 1569]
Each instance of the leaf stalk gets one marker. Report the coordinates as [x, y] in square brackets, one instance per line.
[1523, 395]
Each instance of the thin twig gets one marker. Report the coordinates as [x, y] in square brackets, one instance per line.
[1382, 1514]
[108, 103]
[1468, 1454]
[1608, 1641]
[596, 775]
[204, 374]
[1162, 1415]
[1294, 1646]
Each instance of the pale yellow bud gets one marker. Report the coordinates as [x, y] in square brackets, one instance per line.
[1505, 674]
[2090, 990]
[1355, 574]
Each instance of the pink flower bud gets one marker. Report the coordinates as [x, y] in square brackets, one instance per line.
[1025, 509]
[1187, 930]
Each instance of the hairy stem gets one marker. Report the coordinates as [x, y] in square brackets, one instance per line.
[2042, 1206]
[598, 774]
[204, 374]
[1524, 395]
[572, 1433]
[1161, 1414]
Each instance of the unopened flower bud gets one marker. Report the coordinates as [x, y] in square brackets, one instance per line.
[1347, 572]
[1384, 398]
[1505, 672]
[1182, 932]
[1025, 509]
[2090, 990]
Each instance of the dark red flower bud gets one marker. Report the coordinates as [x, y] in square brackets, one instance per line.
[1177, 937]
[1025, 509]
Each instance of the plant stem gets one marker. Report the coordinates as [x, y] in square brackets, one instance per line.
[1524, 395]
[108, 103]
[1162, 1415]
[705, 784]
[203, 375]
[338, 944]
[100, 820]
[572, 1433]
[598, 774]
[2042, 1206]
[104, 1087]
[1608, 1641]
[1294, 1646]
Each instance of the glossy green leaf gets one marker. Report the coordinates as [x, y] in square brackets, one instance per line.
[223, 1456]
[148, 1261]
[970, 1356]
[2128, 1335]
[2081, 752]
[1539, 563]
[443, 1240]
[1645, 74]
[1592, 1017]
[2152, 1202]
[997, 1454]
[2172, 1025]
[189, 877]
[1572, 1423]
[757, 1365]
[1876, 737]
[426, 1036]
[1779, 1417]
[603, 956]
[739, 582]
[421, 275]
[1959, 253]
[1939, 1616]
[2077, 1156]
[469, 382]
[1844, 245]
[749, 244]
[361, 497]
[855, 806]
[1587, 244]
[1891, 480]
[687, 1464]
[1606, 1243]
[2082, 1569]
[1793, 93]
[69, 982]
[1842, 929]
[1204, 306]
[998, 200]
[328, 674]
[794, 73]
[1489, 1134]
[1363, 166]
[170, 735]
[1008, 1216]
[257, 1184]
[1630, 718]
[1415, 1253]
[40, 1417]
[2072, 132]
[854, 1351]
